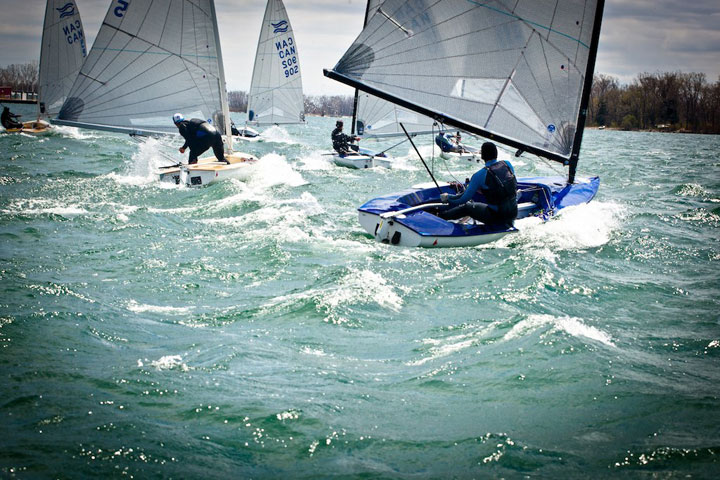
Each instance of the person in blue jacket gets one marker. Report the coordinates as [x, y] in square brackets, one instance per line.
[498, 185]
[445, 145]
[199, 135]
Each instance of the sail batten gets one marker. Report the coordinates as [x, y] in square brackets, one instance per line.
[276, 95]
[151, 58]
[446, 59]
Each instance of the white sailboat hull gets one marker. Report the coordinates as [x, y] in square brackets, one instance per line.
[361, 161]
[385, 230]
[208, 170]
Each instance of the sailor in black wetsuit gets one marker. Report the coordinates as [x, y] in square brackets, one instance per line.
[497, 182]
[341, 142]
[8, 119]
[199, 135]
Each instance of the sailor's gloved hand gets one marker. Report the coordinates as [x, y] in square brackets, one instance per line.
[444, 197]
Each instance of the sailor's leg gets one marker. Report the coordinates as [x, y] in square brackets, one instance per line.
[456, 212]
[219, 149]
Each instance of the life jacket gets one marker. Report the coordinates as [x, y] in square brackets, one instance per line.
[501, 186]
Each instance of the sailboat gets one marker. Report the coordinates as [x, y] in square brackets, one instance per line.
[152, 58]
[61, 55]
[276, 94]
[374, 117]
[516, 72]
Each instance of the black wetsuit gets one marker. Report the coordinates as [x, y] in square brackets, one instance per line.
[8, 119]
[199, 135]
[497, 182]
[341, 142]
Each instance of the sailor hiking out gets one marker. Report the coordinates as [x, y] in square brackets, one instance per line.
[342, 142]
[199, 135]
[443, 141]
[9, 119]
[497, 183]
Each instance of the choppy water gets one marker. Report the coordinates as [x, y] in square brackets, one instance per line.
[252, 329]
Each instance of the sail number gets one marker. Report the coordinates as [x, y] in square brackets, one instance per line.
[288, 55]
[121, 8]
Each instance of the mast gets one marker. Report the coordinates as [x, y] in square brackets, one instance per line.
[40, 104]
[587, 86]
[221, 81]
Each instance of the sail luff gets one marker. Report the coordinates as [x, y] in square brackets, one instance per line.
[587, 87]
[445, 119]
[221, 81]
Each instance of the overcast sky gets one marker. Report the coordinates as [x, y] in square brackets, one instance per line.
[637, 36]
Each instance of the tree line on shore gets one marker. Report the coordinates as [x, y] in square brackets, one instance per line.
[668, 101]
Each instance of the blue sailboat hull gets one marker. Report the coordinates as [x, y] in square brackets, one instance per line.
[404, 218]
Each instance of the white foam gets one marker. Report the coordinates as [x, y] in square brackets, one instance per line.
[277, 134]
[169, 362]
[362, 286]
[44, 207]
[133, 306]
[582, 226]
[76, 133]
[572, 326]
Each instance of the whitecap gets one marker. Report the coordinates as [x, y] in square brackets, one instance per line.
[570, 325]
[169, 362]
[133, 306]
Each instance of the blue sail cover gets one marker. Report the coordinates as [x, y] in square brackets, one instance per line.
[511, 68]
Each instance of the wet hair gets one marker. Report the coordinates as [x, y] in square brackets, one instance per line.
[339, 123]
[488, 151]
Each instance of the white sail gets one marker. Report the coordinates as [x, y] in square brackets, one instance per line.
[512, 70]
[151, 58]
[276, 95]
[61, 54]
[374, 117]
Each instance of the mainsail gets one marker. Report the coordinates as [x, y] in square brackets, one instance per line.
[516, 71]
[61, 54]
[276, 94]
[374, 117]
[151, 58]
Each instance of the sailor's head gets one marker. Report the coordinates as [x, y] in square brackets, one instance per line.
[488, 151]
[177, 118]
[5, 109]
[339, 124]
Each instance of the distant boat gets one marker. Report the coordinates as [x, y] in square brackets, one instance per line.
[519, 75]
[152, 58]
[62, 53]
[276, 94]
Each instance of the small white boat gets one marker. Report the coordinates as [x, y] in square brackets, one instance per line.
[33, 127]
[362, 159]
[208, 170]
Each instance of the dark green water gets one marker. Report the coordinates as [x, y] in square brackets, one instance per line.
[252, 329]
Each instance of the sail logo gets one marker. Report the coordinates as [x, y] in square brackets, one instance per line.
[280, 27]
[551, 128]
[67, 10]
